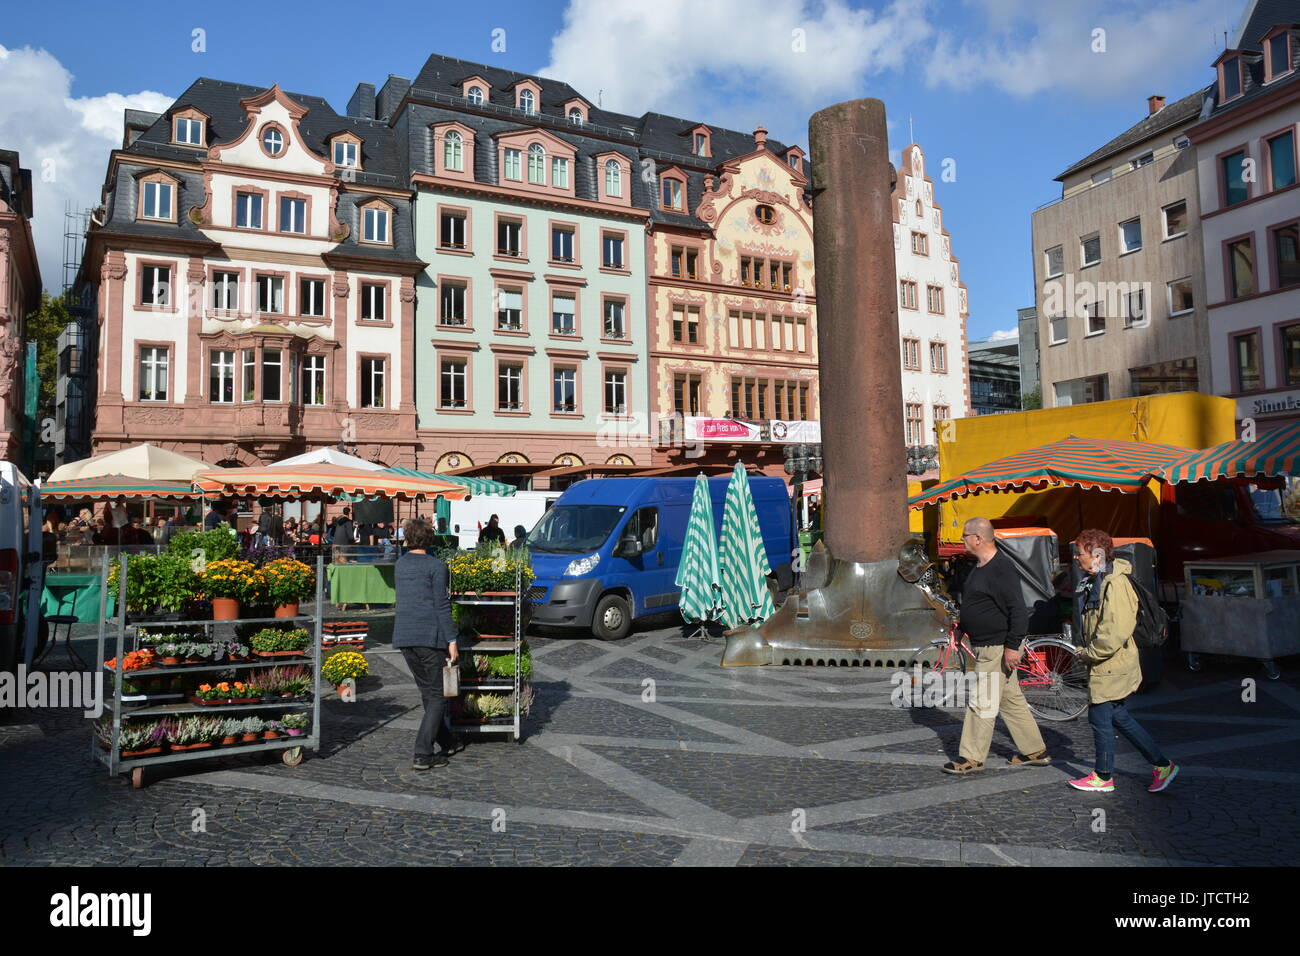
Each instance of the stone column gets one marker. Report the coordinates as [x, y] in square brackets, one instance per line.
[857, 332]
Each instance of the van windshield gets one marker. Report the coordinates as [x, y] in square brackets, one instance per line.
[1268, 505]
[570, 529]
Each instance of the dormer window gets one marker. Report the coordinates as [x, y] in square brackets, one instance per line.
[537, 164]
[376, 220]
[347, 154]
[527, 101]
[189, 132]
[157, 200]
[272, 140]
[795, 159]
[575, 116]
[1230, 78]
[671, 192]
[475, 95]
[613, 178]
[453, 146]
[1279, 48]
[701, 145]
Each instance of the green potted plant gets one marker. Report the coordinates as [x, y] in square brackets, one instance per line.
[343, 669]
[272, 730]
[288, 583]
[142, 739]
[230, 731]
[250, 729]
[295, 725]
[277, 642]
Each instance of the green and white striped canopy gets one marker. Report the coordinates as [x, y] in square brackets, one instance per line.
[477, 486]
[698, 574]
[742, 558]
[1273, 454]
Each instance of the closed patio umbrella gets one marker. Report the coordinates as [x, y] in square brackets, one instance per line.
[698, 575]
[742, 557]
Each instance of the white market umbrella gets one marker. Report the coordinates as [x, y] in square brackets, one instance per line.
[328, 456]
[148, 462]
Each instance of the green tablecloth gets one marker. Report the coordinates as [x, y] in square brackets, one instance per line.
[361, 583]
[79, 594]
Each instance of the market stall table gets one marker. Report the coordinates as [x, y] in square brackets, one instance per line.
[1247, 605]
[361, 584]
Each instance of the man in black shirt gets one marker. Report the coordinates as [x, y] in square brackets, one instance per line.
[994, 621]
[492, 532]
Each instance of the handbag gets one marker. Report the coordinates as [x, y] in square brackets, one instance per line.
[451, 680]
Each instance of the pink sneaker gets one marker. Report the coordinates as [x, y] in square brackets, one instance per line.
[1161, 777]
[1093, 783]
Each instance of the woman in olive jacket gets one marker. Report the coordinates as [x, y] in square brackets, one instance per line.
[1110, 616]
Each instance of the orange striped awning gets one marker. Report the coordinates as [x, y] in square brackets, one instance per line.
[323, 481]
[116, 486]
[1078, 462]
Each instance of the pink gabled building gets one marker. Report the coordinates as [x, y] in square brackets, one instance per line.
[20, 295]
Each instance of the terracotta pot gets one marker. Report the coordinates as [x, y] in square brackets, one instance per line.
[232, 739]
[287, 610]
[171, 661]
[269, 735]
[199, 746]
[248, 738]
[294, 731]
[225, 609]
[142, 753]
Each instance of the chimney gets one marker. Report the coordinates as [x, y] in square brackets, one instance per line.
[1155, 104]
[362, 104]
[390, 95]
[760, 137]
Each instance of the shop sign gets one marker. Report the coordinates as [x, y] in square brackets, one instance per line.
[809, 433]
[1274, 403]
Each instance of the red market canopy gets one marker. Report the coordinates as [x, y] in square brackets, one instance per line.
[117, 486]
[330, 481]
[1273, 454]
[1079, 462]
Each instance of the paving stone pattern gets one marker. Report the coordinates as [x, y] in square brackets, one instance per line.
[793, 766]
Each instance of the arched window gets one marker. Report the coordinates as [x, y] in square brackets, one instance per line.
[475, 95]
[575, 116]
[537, 164]
[452, 155]
[613, 178]
[526, 101]
[272, 140]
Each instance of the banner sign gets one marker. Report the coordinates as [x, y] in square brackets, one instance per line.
[1274, 403]
[730, 430]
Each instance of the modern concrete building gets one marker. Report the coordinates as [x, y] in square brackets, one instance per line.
[20, 294]
[932, 306]
[994, 376]
[1118, 277]
[1250, 214]
[1030, 380]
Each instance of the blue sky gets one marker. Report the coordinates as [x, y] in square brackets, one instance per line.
[1013, 91]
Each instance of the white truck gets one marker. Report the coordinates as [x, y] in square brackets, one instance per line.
[21, 571]
[523, 507]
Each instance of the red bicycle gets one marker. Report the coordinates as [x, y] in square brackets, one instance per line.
[1053, 677]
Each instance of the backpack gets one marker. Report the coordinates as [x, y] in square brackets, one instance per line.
[1152, 628]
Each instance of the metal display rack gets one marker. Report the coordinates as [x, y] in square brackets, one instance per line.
[291, 748]
[512, 644]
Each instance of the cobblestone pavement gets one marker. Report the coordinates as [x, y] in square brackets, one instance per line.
[646, 752]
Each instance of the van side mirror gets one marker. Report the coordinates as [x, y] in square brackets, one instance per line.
[628, 547]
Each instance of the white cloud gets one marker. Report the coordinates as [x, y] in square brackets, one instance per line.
[741, 56]
[1004, 334]
[63, 140]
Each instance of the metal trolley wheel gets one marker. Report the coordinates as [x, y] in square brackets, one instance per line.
[291, 756]
[1054, 679]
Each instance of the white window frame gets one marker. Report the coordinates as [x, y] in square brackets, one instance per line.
[475, 95]
[567, 236]
[1131, 318]
[561, 328]
[245, 205]
[160, 292]
[376, 377]
[311, 298]
[559, 172]
[453, 151]
[189, 125]
[276, 377]
[527, 102]
[160, 192]
[225, 373]
[345, 154]
[1164, 219]
[537, 164]
[1169, 296]
[374, 299]
[516, 322]
[511, 375]
[225, 291]
[1124, 246]
[453, 371]
[575, 116]
[1083, 245]
[1093, 311]
[447, 295]
[615, 381]
[569, 376]
[457, 231]
[1051, 329]
[313, 369]
[152, 369]
[1047, 261]
[607, 243]
[511, 163]
[272, 135]
[615, 308]
[274, 294]
[613, 178]
[297, 209]
[375, 225]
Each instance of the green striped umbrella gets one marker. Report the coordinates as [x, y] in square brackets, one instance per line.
[1273, 454]
[115, 486]
[742, 557]
[698, 575]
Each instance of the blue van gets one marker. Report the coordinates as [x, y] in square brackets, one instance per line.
[607, 551]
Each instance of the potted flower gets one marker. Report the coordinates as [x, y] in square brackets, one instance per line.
[231, 730]
[142, 740]
[295, 725]
[169, 654]
[272, 730]
[250, 729]
[288, 582]
[209, 694]
[277, 642]
[343, 667]
[236, 651]
[228, 582]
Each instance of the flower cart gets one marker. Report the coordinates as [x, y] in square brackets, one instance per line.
[494, 692]
[191, 689]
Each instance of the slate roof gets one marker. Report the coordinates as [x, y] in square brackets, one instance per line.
[1260, 17]
[1174, 114]
[382, 158]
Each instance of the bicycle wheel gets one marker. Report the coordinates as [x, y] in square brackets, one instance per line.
[1054, 679]
[949, 666]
